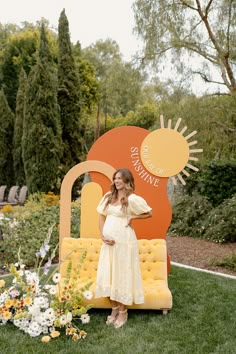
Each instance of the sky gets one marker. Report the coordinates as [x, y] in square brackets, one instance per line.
[89, 20]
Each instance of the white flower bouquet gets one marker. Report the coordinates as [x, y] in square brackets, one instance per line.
[38, 304]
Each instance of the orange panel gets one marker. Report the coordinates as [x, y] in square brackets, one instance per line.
[120, 147]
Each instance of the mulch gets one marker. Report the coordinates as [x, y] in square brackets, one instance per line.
[199, 253]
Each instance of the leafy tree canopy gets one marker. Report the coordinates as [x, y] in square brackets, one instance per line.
[202, 28]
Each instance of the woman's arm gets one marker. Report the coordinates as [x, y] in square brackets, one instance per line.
[141, 216]
[102, 220]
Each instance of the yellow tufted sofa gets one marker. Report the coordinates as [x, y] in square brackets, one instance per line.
[153, 260]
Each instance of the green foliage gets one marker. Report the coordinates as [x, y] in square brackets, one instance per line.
[20, 45]
[216, 180]
[6, 129]
[188, 213]
[120, 83]
[18, 130]
[69, 97]
[144, 117]
[28, 226]
[87, 80]
[219, 225]
[42, 144]
[228, 262]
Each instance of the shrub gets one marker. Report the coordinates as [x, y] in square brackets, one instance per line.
[228, 262]
[220, 224]
[216, 180]
[187, 213]
[28, 226]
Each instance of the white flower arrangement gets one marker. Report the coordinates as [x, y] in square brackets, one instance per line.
[38, 304]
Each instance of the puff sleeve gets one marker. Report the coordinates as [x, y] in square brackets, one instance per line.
[101, 205]
[138, 205]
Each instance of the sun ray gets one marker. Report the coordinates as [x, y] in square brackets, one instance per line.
[195, 150]
[193, 158]
[181, 179]
[177, 123]
[192, 167]
[174, 180]
[162, 121]
[192, 143]
[169, 124]
[183, 130]
[185, 173]
[190, 135]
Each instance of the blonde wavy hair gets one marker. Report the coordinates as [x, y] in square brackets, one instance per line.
[128, 179]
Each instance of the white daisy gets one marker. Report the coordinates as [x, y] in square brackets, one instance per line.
[85, 318]
[52, 290]
[56, 277]
[87, 294]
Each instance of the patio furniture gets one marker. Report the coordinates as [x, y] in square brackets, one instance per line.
[12, 197]
[22, 195]
[2, 193]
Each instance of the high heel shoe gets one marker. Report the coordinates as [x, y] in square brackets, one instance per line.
[119, 323]
[111, 319]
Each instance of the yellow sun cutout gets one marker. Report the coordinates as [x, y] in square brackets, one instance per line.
[165, 152]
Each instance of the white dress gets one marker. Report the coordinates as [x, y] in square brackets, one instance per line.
[118, 274]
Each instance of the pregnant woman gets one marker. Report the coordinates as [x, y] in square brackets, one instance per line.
[118, 274]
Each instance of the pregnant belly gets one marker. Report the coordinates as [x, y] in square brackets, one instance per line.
[115, 228]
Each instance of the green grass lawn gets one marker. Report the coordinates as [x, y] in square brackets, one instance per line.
[202, 321]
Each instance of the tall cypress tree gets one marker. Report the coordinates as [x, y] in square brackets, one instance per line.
[18, 130]
[6, 131]
[42, 144]
[68, 96]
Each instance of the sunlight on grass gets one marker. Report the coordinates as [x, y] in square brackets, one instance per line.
[203, 320]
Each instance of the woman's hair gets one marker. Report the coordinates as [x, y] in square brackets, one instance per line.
[128, 179]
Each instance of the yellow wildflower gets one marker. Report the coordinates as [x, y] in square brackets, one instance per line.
[75, 337]
[8, 303]
[7, 315]
[2, 283]
[45, 339]
[27, 301]
[55, 334]
[82, 334]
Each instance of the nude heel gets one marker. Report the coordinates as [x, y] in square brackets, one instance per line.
[111, 319]
[119, 323]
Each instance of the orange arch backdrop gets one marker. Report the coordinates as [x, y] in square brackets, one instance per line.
[120, 147]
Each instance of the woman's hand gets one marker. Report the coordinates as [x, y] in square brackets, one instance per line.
[129, 220]
[107, 241]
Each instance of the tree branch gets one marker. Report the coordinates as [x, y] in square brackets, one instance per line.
[228, 28]
[226, 68]
[187, 5]
[206, 79]
[208, 7]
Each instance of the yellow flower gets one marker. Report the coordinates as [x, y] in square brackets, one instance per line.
[2, 283]
[55, 334]
[45, 339]
[14, 302]
[7, 315]
[75, 337]
[7, 209]
[71, 331]
[27, 301]
[82, 334]
[8, 303]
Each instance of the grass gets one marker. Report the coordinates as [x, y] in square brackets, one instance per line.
[202, 321]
